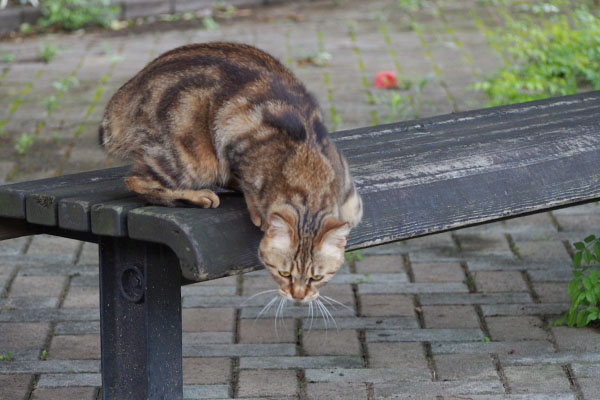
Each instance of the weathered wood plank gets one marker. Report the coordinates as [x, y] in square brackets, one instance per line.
[419, 177]
[12, 197]
[74, 213]
[110, 218]
[41, 206]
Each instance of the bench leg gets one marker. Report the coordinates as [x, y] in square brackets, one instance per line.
[140, 321]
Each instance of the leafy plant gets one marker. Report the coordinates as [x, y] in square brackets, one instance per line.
[7, 57]
[23, 143]
[6, 356]
[557, 57]
[356, 255]
[76, 14]
[210, 24]
[47, 52]
[584, 289]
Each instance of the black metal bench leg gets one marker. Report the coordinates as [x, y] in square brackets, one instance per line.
[140, 321]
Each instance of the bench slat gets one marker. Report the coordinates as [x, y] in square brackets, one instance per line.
[12, 197]
[419, 177]
[74, 213]
[41, 207]
[110, 218]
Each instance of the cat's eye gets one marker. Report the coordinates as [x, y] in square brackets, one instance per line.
[285, 274]
[317, 277]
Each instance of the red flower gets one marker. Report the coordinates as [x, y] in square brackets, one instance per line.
[385, 80]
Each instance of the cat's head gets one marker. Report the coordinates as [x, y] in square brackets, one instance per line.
[302, 260]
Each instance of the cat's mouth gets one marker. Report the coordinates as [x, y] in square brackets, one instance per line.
[305, 299]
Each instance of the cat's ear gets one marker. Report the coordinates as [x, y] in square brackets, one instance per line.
[332, 237]
[279, 230]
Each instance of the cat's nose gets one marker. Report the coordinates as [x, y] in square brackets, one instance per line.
[298, 297]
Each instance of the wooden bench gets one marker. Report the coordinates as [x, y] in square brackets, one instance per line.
[416, 178]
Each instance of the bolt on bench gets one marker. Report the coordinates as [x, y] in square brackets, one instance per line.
[416, 178]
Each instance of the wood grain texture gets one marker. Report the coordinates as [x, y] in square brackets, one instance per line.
[12, 197]
[41, 207]
[74, 213]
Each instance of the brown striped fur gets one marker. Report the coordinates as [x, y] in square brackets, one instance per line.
[231, 115]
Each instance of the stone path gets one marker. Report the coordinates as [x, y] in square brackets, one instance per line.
[463, 315]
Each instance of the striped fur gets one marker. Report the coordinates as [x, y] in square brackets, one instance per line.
[231, 115]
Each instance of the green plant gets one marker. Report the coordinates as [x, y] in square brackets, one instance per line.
[584, 289]
[486, 339]
[356, 255]
[23, 143]
[6, 356]
[76, 14]
[7, 56]
[44, 355]
[47, 52]
[210, 24]
[556, 57]
[410, 5]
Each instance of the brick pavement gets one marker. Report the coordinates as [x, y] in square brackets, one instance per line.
[421, 311]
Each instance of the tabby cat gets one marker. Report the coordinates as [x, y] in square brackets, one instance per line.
[231, 115]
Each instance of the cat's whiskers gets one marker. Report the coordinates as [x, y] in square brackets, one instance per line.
[278, 313]
[328, 314]
[310, 314]
[266, 308]
[337, 302]
[257, 294]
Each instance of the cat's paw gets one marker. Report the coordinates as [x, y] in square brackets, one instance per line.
[204, 198]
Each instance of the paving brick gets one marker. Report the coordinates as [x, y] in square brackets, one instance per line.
[207, 337]
[435, 272]
[552, 292]
[586, 370]
[518, 349]
[14, 387]
[384, 264]
[38, 286]
[386, 305]
[69, 380]
[54, 246]
[469, 367]
[371, 323]
[474, 298]
[413, 288]
[367, 278]
[425, 335]
[301, 362]
[407, 357]
[433, 390]
[499, 281]
[531, 223]
[13, 246]
[263, 331]
[23, 335]
[580, 339]
[79, 393]
[537, 379]
[28, 303]
[207, 319]
[331, 343]
[561, 358]
[78, 347]
[201, 392]
[49, 366]
[341, 293]
[450, 317]
[239, 350]
[82, 297]
[89, 254]
[590, 387]
[515, 328]
[267, 383]
[336, 390]
[206, 371]
[203, 290]
[480, 243]
[550, 251]
[579, 223]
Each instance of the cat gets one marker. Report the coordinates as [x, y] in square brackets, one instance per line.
[231, 115]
